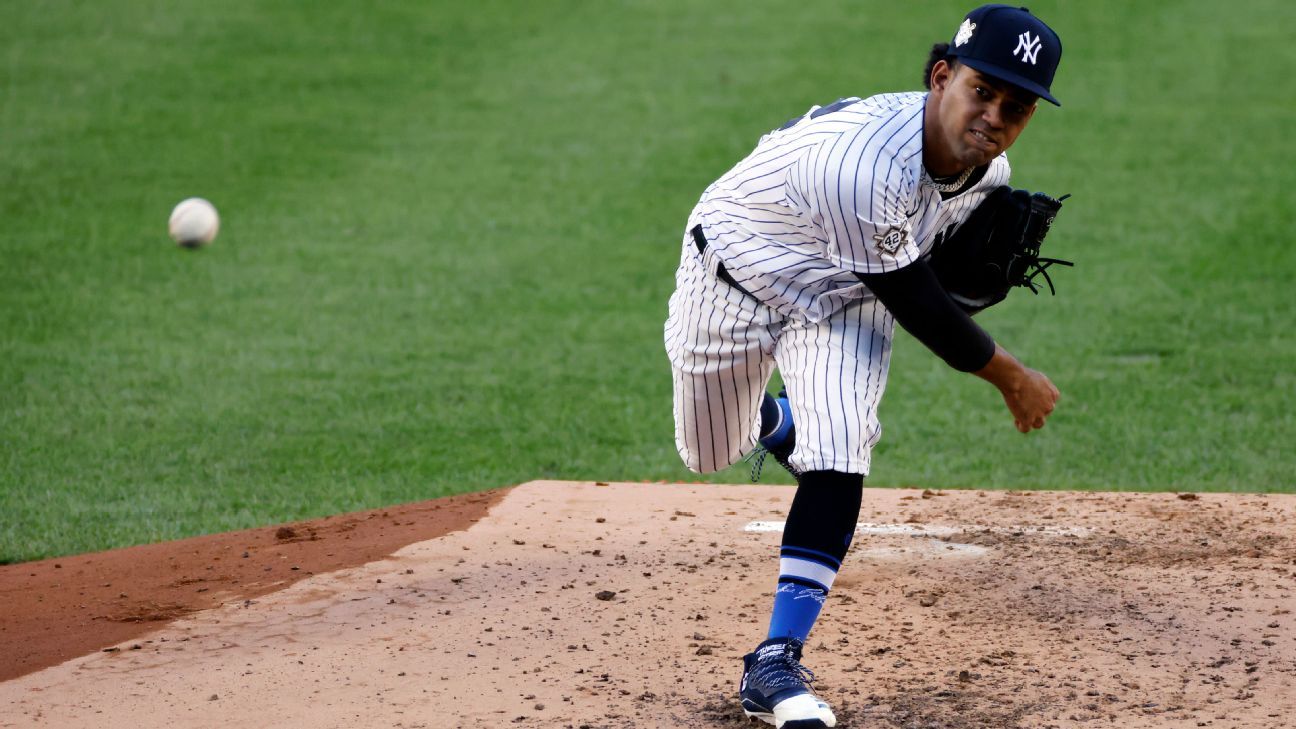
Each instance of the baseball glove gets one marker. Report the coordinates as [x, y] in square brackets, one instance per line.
[997, 248]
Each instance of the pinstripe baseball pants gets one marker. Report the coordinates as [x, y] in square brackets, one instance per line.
[723, 346]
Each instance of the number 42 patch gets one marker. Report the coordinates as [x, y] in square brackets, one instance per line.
[891, 240]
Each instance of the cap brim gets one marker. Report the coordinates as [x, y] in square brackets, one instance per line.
[1004, 74]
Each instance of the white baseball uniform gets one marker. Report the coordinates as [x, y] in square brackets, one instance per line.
[838, 191]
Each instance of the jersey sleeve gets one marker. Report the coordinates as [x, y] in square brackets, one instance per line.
[863, 194]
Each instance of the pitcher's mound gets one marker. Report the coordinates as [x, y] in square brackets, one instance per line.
[624, 605]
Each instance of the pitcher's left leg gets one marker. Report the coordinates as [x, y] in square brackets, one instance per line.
[835, 371]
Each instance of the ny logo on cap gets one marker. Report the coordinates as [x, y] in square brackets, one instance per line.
[1028, 46]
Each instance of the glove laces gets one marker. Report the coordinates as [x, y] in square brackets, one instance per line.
[1029, 279]
[1042, 210]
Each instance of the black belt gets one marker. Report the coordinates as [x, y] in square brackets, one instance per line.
[721, 273]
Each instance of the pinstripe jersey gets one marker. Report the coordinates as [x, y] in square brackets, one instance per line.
[839, 190]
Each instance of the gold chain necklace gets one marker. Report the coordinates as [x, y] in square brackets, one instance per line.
[949, 186]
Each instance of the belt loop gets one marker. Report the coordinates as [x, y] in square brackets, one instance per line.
[700, 240]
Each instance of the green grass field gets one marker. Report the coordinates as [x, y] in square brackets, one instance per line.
[450, 230]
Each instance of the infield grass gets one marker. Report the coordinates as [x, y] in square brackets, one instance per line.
[450, 229]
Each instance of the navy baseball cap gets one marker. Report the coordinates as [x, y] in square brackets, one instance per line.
[1010, 44]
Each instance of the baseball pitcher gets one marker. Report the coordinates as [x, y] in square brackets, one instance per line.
[841, 222]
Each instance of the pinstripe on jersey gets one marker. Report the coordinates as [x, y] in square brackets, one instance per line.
[805, 209]
[839, 191]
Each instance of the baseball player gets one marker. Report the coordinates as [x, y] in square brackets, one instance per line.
[803, 257]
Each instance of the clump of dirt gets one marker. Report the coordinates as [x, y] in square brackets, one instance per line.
[150, 613]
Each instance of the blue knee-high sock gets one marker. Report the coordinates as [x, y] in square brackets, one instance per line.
[818, 532]
[805, 577]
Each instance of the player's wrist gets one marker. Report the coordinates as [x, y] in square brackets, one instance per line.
[1004, 371]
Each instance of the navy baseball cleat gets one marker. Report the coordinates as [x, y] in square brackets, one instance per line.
[776, 688]
[778, 443]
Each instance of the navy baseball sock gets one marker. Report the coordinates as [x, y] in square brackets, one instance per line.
[818, 532]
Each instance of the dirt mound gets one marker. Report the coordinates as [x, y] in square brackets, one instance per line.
[579, 604]
[58, 609]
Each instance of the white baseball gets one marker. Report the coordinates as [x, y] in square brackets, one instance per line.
[194, 222]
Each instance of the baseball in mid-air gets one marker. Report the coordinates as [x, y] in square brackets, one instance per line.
[194, 222]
